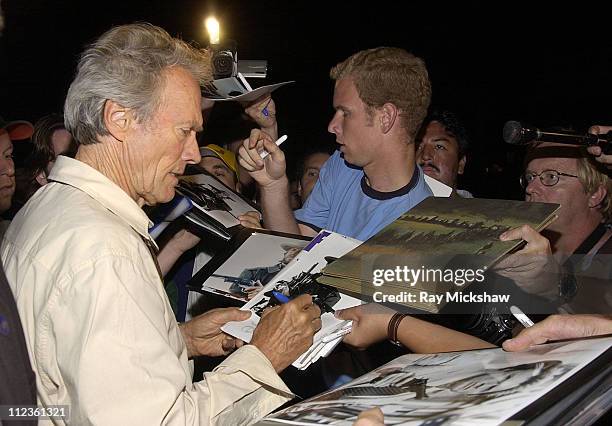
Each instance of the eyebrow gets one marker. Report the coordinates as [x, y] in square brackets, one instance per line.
[221, 166]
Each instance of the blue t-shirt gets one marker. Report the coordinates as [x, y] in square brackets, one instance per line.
[342, 201]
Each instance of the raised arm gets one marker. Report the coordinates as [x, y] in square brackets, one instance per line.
[269, 173]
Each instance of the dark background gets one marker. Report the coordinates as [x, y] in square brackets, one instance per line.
[491, 62]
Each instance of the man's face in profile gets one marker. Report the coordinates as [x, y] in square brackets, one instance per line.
[159, 150]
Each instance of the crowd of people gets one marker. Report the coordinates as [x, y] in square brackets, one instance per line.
[87, 296]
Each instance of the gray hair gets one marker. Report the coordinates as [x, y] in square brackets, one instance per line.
[127, 64]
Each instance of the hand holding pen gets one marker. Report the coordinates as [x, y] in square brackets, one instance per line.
[263, 112]
[261, 157]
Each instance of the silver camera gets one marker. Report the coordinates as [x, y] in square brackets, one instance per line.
[225, 64]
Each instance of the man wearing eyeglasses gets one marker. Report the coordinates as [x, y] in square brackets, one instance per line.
[579, 240]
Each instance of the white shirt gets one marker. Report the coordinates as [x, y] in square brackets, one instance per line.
[100, 331]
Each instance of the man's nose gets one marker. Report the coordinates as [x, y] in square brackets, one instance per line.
[191, 152]
[333, 126]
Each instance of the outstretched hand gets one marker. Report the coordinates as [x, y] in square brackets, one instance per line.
[263, 112]
[251, 219]
[369, 324]
[557, 327]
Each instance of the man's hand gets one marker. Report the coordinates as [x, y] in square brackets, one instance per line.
[203, 335]
[532, 268]
[557, 327]
[263, 112]
[251, 219]
[596, 150]
[369, 324]
[269, 171]
[372, 417]
[285, 332]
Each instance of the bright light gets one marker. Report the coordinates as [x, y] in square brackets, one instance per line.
[212, 26]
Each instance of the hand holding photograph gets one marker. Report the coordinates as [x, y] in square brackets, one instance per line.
[213, 199]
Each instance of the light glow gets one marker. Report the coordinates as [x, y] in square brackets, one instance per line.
[212, 26]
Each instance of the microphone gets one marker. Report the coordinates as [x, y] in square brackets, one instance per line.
[516, 133]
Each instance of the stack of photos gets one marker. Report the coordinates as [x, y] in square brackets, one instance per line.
[438, 240]
[485, 387]
[216, 206]
[299, 277]
[251, 260]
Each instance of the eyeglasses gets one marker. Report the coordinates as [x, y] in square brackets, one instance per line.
[547, 177]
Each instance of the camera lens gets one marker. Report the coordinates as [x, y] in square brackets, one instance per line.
[223, 64]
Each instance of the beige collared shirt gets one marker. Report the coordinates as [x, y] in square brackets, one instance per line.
[100, 331]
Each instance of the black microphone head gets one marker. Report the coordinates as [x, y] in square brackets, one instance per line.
[516, 133]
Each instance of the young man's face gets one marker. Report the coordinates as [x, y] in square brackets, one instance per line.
[438, 155]
[7, 172]
[159, 150]
[352, 125]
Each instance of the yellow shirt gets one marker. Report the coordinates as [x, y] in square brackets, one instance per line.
[100, 331]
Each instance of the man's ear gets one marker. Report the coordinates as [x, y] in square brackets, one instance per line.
[41, 178]
[117, 119]
[388, 115]
[461, 167]
[596, 198]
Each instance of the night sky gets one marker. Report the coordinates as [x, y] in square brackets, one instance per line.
[489, 62]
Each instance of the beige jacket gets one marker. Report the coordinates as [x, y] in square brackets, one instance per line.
[100, 331]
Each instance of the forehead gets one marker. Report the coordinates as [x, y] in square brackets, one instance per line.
[5, 141]
[345, 92]
[565, 165]
[181, 97]
[436, 131]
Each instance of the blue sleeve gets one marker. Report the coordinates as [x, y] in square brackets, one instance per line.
[315, 212]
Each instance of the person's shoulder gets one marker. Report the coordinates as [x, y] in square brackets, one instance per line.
[69, 221]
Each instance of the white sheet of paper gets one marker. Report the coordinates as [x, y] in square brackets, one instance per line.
[232, 89]
[326, 243]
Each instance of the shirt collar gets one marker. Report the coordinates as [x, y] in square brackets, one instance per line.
[87, 179]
